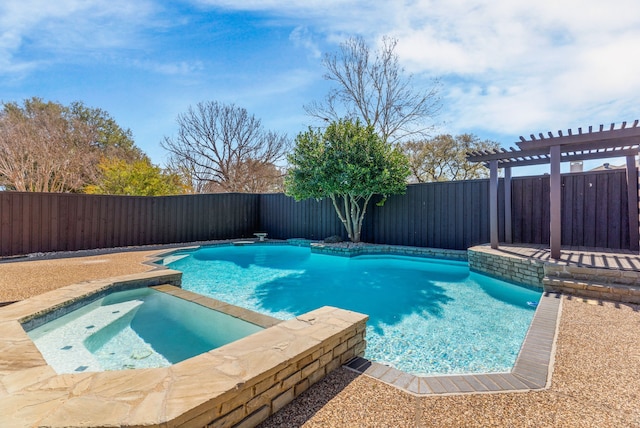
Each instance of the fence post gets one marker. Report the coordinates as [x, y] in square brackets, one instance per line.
[632, 203]
[507, 206]
[555, 201]
[493, 203]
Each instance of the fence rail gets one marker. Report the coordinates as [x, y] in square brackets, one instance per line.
[452, 215]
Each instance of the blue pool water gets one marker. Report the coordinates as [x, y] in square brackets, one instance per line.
[133, 329]
[427, 316]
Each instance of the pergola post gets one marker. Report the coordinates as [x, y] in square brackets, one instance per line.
[493, 203]
[632, 202]
[507, 206]
[590, 143]
[555, 200]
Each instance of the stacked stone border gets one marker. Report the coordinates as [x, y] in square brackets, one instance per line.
[360, 249]
[617, 285]
[614, 283]
[513, 268]
[239, 384]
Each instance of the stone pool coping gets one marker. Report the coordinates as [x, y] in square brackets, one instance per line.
[342, 249]
[240, 383]
[533, 367]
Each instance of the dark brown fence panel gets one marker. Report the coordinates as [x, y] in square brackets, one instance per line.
[599, 215]
[282, 217]
[445, 215]
[530, 210]
[41, 222]
[452, 215]
[594, 210]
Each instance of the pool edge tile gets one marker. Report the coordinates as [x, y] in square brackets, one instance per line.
[531, 371]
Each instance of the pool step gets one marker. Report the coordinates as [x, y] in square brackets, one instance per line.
[73, 356]
[617, 283]
[629, 293]
[604, 275]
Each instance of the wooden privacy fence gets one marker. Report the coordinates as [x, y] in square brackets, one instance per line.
[449, 215]
[41, 222]
[455, 215]
[452, 215]
[594, 209]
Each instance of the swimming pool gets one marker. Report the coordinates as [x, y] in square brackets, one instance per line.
[427, 316]
[133, 329]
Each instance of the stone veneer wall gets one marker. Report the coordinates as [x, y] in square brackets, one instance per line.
[504, 266]
[600, 275]
[348, 249]
[334, 336]
[616, 284]
[239, 384]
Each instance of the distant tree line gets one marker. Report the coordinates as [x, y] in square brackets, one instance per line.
[49, 147]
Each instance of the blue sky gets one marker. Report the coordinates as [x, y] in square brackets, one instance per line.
[508, 68]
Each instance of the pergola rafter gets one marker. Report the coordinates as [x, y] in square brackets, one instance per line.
[553, 149]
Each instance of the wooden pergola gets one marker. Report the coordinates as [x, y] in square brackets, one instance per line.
[554, 149]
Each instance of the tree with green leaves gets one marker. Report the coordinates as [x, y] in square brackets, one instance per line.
[111, 140]
[135, 178]
[348, 163]
[444, 158]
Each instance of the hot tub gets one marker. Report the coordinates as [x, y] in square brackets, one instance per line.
[139, 328]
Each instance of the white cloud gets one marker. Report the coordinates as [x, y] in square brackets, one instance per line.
[180, 68]
[507, 66]
[65, 27]
[514, 68]
[302, 37]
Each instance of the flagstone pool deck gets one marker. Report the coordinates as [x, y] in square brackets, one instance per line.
[595, 381]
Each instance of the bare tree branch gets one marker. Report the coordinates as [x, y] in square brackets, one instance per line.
[443, 158]
[373, 87]
[221, 148]
[48, 147]
[44, 148]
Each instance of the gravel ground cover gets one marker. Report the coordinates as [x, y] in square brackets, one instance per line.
[596, 376]
[595, 383]
[23, 278]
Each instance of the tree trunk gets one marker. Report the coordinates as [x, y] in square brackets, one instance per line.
[351, 213]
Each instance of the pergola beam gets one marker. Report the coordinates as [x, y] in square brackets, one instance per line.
[602, 144]
[522, 161]
[499, 155]
[603, 137]
[597, 145]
